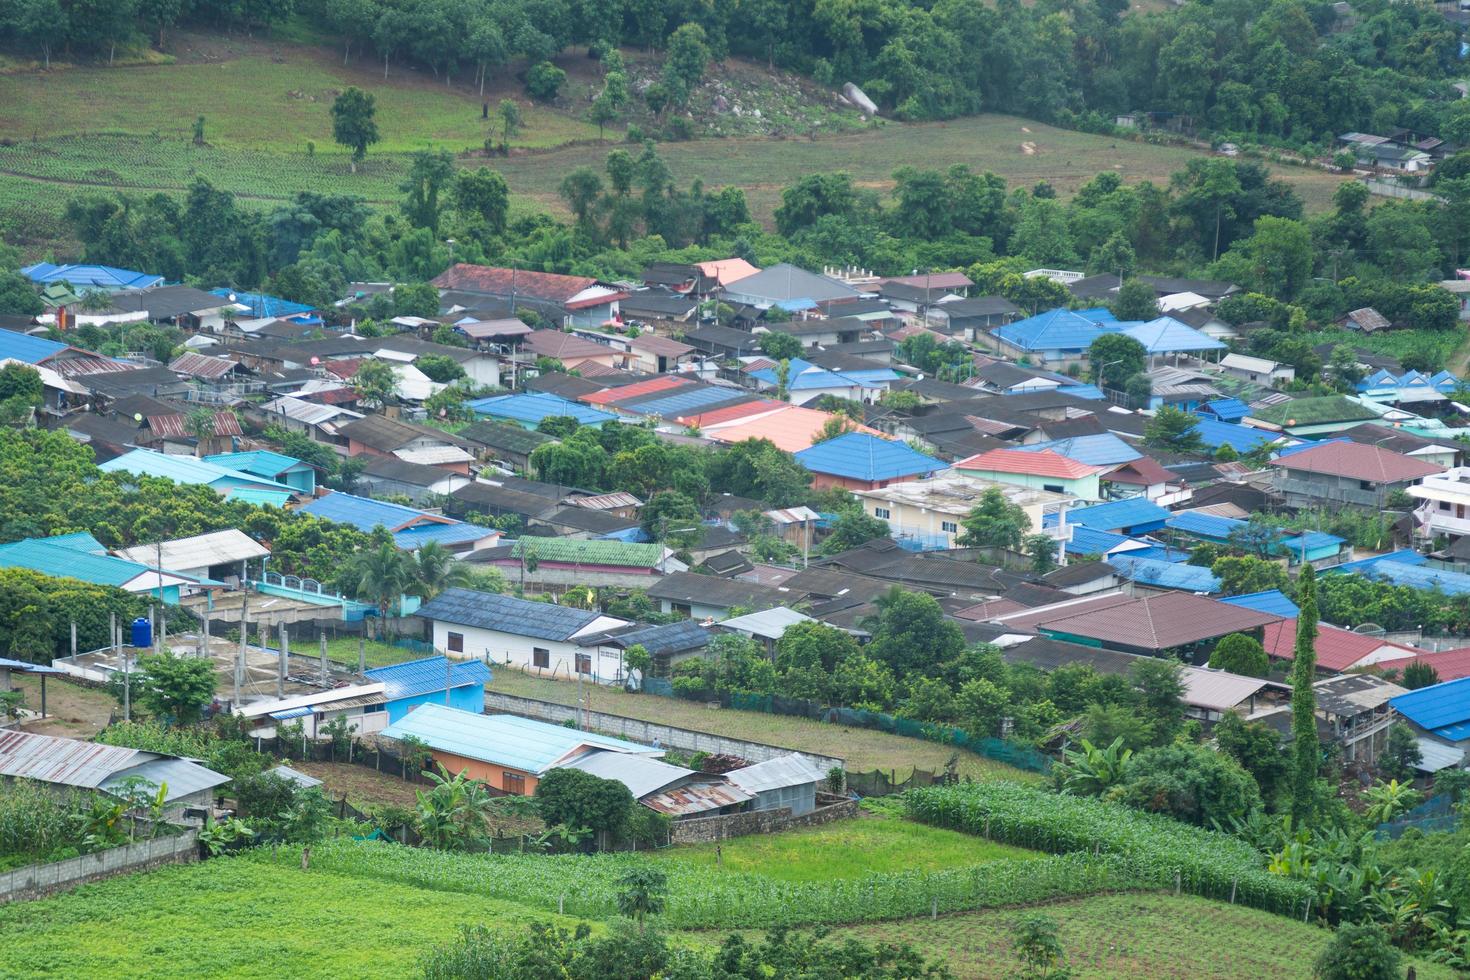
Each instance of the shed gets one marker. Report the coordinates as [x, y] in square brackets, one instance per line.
[786, 781]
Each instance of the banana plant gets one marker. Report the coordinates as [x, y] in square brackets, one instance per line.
[1092, 771]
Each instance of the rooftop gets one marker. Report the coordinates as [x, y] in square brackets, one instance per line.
[958, 494]
[1321, 410]
[1044, 462]
[427, 676]
[1358, 461]
[859, 456]
[1443, 709]
[507, 614]
[536, 408]
[507, 740]
[1160, 622]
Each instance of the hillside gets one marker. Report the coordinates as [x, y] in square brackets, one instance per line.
[268, 134]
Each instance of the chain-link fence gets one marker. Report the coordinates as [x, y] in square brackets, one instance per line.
[1435, 813]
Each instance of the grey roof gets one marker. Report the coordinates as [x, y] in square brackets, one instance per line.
[67, 761]
[1049, 654]
[777, 773]
[501, 500]
[979, 306]
[678, 637]
[583, 519]
[299, 778]
[785, 281]
[640, 774]
[1079, 573]
[707, 590]
[167, 301]
[177, 777]
[506, 614]
[504, 436]
[402, 471]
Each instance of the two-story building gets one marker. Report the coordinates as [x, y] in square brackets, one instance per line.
[1444, 504]
[1346, 474]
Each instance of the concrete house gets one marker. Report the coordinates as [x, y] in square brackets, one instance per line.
[927, 514]
[1350, 474]
[1042, 470]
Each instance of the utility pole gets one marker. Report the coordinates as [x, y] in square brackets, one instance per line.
[127, 681]
[326, 675]
[448, 668]
[283, 662]
[362, 650]
[162, 622]
[244, 639]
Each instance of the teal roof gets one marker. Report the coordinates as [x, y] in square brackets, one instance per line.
[261, 462]
[259, 497]
[81, 541]
[64, 560]
[184, 470]
[503, 740]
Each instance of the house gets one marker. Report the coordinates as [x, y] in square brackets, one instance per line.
[667, 645]
[480, 367]
[390, 476]
[1054, 338]
[725, 342]
[830, 331]
[806, 382]
[969, 318]
[671, 790]
[1160, 575]
[530, 410]
[1367, 319]
[89, 276]
[789, 781]
[193, 310]
[378, 435]
[766, 627]
[1321, 415]
[1083, 578]
[1442, 451]
[1174, 622]
[1145, 476]
[927, 514]
[1338, 650]
[573, 352]
[411, 529]
[580, 300]
[263, 306]
[188, 788]
[186, 470]
[858, 461]
[1166, 335]
[1209, 694]
[1440, 716]
[789, 427]
[1339, 474]
[702, 597]
[408, 685]
[533, 636]
[1042, 469]
[482, 497]
[1354, 712]
[279, 467]
[1133, 516]
[224, 556]
[1258, 370]
[511, 444]
[719, 273]
[81, 556]
[574, 562]
[1445, 508]
[654, 354]
[505, 752]
[788, 287]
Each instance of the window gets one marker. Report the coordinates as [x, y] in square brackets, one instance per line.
[949, 526]
[881, 513]
[1444, 505]
[1054, 487]
[1365, 484]
[540, 657]
[514, 782]
[456, 643]
[584, 663]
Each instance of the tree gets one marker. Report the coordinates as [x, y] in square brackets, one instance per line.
[684, 66]
[582, 189]
[673, 518]
[1114, 358]
[643, 892]
[579, 800]
[995, 522]
[173, 687]
[1035, 942]
[853, 528]
[1419, 674]
[1258, 750]
[440, 368]
[1306, 751]
[544, 81]
[483, 193]
[1172, 429]
[911, 634]
[21, 393]
[433, 568]
[1240, 654]
[1191, 783]
[428, 174]
[353, 122]
[379, 575]
[1244, 574]
[1092, 771]
[779, 346]
[1136, 300]
[1043, 551]
[1401, 753]
[375, 382]
[510, 117]
[1159, 684]
[1358, 951]
[813, 644]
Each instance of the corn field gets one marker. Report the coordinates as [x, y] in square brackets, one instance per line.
[1150, 848]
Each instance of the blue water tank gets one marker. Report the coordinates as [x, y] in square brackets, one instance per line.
[142, 632]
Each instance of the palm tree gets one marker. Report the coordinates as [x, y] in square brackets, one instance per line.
[380, 576]
[433, 568]
[644, 890]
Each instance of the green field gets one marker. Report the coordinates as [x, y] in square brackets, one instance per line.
[870, 844]
[863, 749]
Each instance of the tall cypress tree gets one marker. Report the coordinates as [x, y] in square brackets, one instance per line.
[1306, 751]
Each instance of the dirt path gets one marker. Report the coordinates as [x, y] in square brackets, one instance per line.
[72, 710]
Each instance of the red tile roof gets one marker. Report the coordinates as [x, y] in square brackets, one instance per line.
[554, 343]
[1161, 622]
[611, 395]
[1450, 665]
[1041, 463]
[1337, 648]
[1143, 471]
[503, 282]
[1357, 461]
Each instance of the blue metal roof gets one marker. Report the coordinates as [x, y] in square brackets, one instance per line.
[24, 347]
[1100, 449]
[90, 276]
[261, 462]
[1414, 576]
[1228, 409]
[1090, 392]
[79, 540]
[1098, 314]
[1114, 515]
[1312, 540]
[1166, 335]
[184, 470]
[535, 407]
[1439, 708]
[263, 304]
[1273, 601]
[414, 538]
[1160, 552]
[1404, 556]
[260, 498]
[1086, 541]
[427, 676]
[1165, 575]
[290, 713]
[507, 614]
[1053, 330]
[411, 528]
[63, 560]
[859, 456]
[503, 740]
[1214, 433]
[1204, 525]
[682, 402]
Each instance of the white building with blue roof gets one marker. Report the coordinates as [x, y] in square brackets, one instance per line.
[411, 528]
[408, 685]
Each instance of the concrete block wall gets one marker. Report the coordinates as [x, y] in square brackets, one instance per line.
[37, 880]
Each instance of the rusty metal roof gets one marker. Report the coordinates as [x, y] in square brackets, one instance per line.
[63, 760]
[696, 798]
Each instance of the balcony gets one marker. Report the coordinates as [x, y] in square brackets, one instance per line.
[1432, 521]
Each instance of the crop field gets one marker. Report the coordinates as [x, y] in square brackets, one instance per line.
[846, 849]
[863, 749]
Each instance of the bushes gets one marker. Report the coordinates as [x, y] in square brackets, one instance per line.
[1153, 848]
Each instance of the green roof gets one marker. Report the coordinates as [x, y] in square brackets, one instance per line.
[503, 435]
[1314, 411]
[570, 551]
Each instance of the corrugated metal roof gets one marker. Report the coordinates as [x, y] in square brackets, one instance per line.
[696, 798]
[365, 513]
[40, 555]
[67, 761]
[571, 551]
[1437, 706]
[859, 456]
[639, 773]
[1158, 622]
[1099, 449]
[1043, 463]
[1214, 433]
[261, 462]
[177, 777]
[427, 676]
[202, 365]
[184, 470]
[768, 623]
[200, 551]
[1217, 690]
[1165, 574]
[777, 773]
[1114, 515]
[1273, 601]
[1204, 525]
[260, 498]
[1166, 335]
[507, 614]
[1054, 330]
[506, 740]
[536, 407]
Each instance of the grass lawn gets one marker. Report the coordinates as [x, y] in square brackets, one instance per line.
[847, 849]
[343, 649]
[1136, 935]
[862, 748]
[72, 710]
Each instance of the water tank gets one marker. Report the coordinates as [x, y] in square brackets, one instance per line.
[142, 632]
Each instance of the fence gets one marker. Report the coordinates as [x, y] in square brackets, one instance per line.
[648, 732]
[36, 880]
[1435, 813]
[881, 783]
